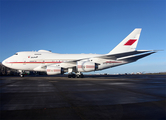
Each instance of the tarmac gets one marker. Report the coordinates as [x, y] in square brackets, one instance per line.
[113, 97]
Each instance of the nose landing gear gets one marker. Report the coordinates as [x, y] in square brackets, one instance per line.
[21, 73]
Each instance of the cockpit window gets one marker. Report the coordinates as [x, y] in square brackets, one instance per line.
[16, 54]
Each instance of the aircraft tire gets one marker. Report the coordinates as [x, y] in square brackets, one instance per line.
[73, 75]
[21, 75]
[81, 76]
[69, 76]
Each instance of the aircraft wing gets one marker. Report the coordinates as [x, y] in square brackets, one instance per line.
[73, 63]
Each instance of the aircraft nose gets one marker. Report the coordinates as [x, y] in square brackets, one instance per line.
[3, 62]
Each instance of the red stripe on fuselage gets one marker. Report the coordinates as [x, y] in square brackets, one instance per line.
[31, 62]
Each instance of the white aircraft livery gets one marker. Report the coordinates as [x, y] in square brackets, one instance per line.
[76, 64]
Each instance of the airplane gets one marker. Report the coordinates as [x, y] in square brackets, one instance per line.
[75, 64]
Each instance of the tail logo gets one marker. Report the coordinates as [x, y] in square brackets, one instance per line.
[130, 42]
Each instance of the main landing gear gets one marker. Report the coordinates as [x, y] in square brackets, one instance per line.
[78, 75]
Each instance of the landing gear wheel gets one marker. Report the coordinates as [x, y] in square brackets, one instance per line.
[69, 76]
[80, 75]
[73, 75]
[21, 72]
[21, 75]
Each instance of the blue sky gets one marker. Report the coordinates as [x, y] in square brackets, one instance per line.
[71, 26]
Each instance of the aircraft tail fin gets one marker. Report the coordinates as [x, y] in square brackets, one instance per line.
[129, 43]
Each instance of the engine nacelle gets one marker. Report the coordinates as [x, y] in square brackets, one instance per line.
[54, 70]
[85, 66]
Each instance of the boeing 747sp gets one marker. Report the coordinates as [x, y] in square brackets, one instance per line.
[75, 64]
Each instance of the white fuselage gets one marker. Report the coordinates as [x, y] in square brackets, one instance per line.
[34, 61]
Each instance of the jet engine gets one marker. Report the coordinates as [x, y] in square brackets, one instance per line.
[86, 66]
[54, 70]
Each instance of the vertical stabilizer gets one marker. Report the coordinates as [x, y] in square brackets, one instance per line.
[129, 43]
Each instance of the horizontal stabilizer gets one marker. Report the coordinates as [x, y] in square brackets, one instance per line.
[136, 57]
[119, 55]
